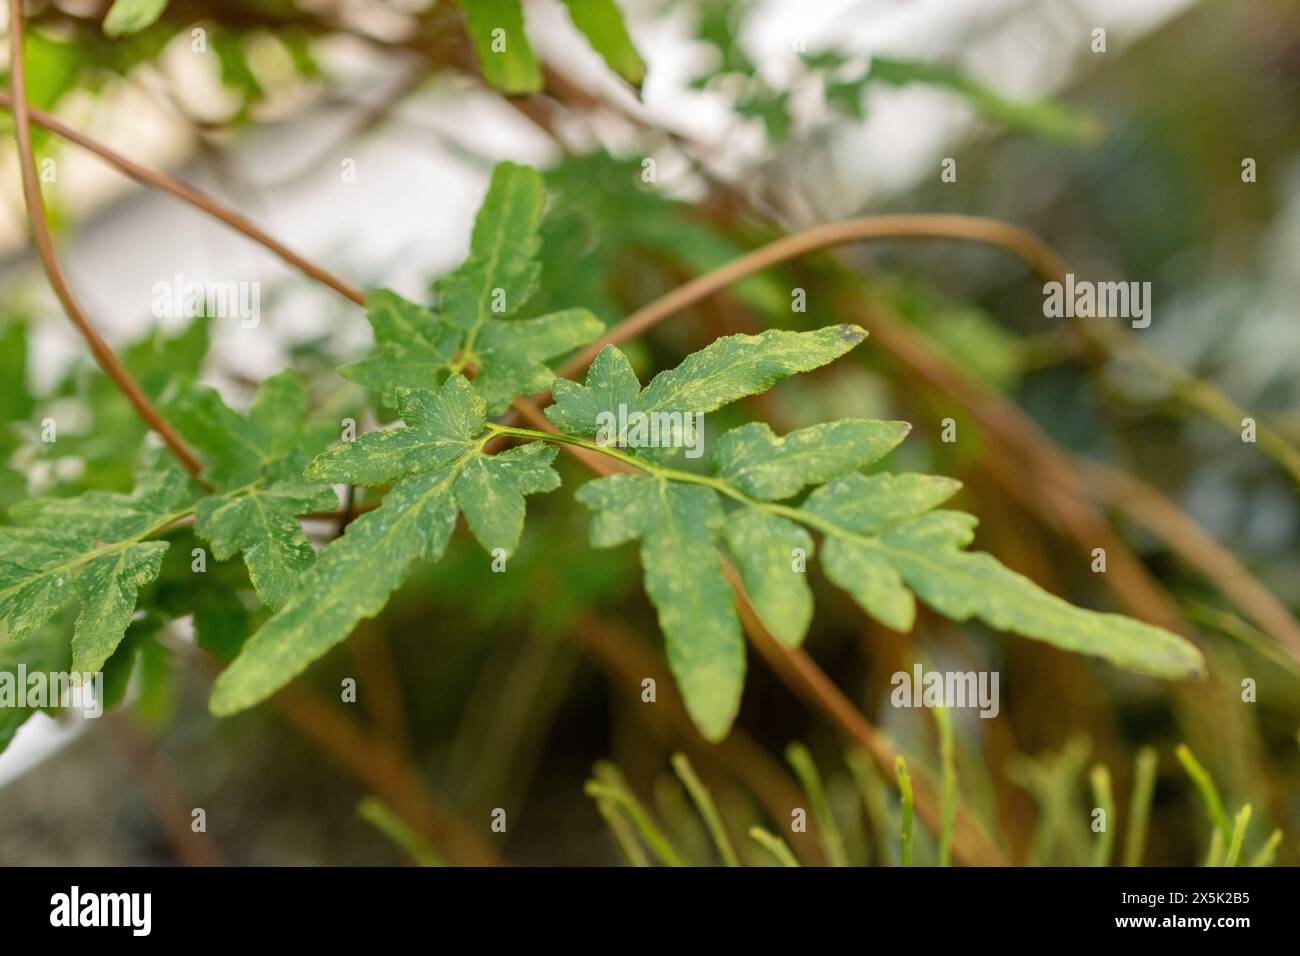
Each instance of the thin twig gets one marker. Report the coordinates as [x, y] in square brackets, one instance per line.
[104, 355]
[192, 847]
[1148, 507]
[183, 191]
[907, 226]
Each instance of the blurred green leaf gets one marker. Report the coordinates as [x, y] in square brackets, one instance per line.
[602, 23]
[1045, 117]
[131, 16]
[496, 28]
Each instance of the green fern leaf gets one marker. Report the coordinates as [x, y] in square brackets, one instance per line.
[728, 369]
[676, 525]
[255, 461]
[441, 470]
[496, 28]
[882, 540]
[90, 545]
[602, 24]
[475, 326]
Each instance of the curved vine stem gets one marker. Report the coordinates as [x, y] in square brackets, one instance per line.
[189, 194]
[104, 355]
[995, 232]
[1038, 254]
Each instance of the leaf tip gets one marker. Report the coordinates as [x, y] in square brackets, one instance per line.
[853, 334]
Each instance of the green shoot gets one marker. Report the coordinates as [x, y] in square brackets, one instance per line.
[708, 810]
[797, 755]
[773, 844]
[1139, 805]
[948, 786]
[387, 821]
[611, 786]
[1238, 836]
[1103, 799]
[1209, 793]
[1268, 852]
[624, 838]
[905, 797]
[875, 800]
[1214, 855]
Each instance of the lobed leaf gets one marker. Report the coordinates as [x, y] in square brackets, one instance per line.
[441, 470]
[728, 369]
[108, 586]
[677, 525]
[254, 461]
[883, 542]
[502, 269]
[767, 549]
[866, 504]
[46, 653]
[89, 545]
[769, 468]
[262, 524]
[491, 489]
[474, 328]
[928, 553]
[411, 345]
[736, 366]
[351, 580]
[439, 428]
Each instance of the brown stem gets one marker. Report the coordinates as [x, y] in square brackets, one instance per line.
[104, 355]
[181, 190]
[165, 797]
[1148, 507]
[971, 228]
[380, 766]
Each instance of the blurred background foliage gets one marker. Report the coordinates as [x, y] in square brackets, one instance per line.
[479, 690]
